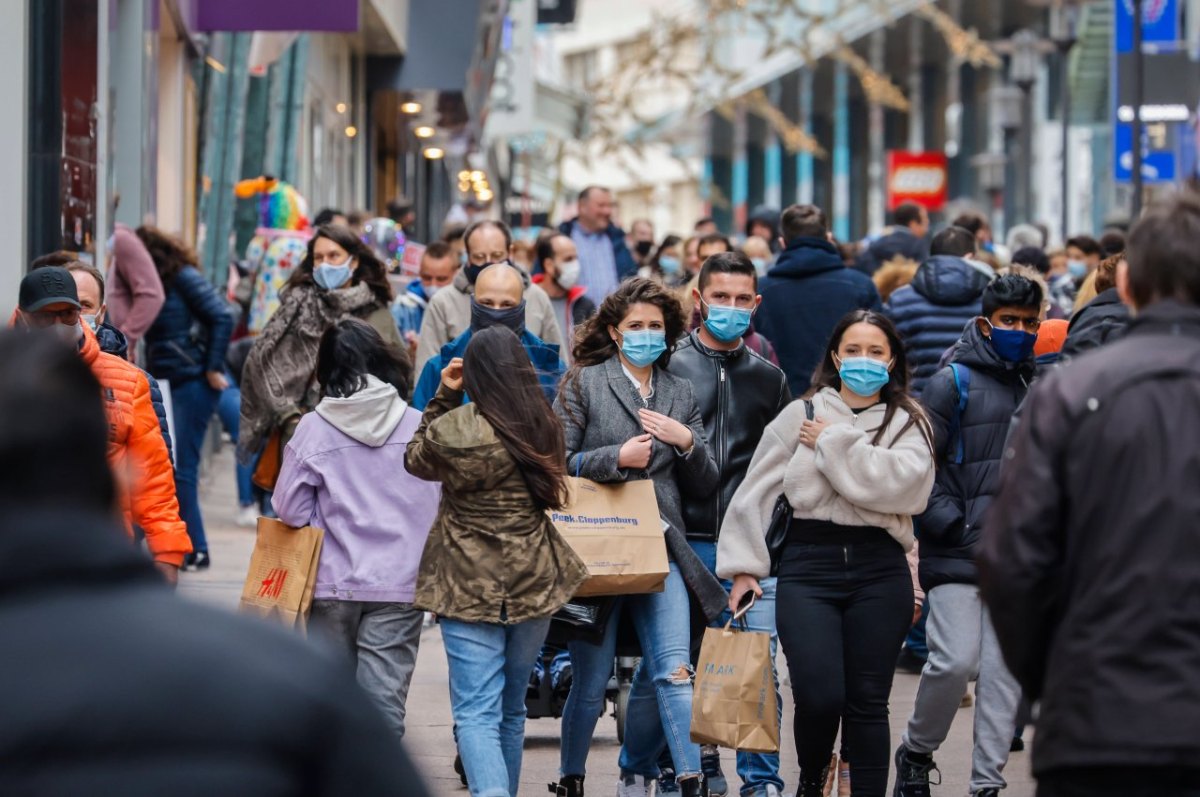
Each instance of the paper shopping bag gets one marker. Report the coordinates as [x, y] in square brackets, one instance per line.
[734, 703]
[616, 530]
[283, 572]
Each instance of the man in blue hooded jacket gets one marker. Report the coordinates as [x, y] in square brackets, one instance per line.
[807, 293]
[498, 300]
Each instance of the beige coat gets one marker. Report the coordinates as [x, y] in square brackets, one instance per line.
[846, 480]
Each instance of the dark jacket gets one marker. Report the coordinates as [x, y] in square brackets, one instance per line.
[952, 525]
[626, 264]
[738, 393]
[932, 310]
[191, 333]
[598, 406]
[1100, 321]
[896, 242]
[111, 662]
[113, 341]
[805, 295]
[580, 307]
[1091, 563]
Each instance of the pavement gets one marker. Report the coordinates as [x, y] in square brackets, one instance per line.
[429, 739]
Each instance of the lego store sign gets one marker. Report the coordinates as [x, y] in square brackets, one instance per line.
[918, 177]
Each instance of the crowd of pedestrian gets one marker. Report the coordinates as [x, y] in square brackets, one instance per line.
[927, 449]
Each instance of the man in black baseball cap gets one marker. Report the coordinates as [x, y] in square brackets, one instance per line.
[48, 300]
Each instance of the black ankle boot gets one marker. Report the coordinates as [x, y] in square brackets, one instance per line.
[692, 787]
[570, 786]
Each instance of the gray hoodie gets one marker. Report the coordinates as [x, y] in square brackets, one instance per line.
[369, 416]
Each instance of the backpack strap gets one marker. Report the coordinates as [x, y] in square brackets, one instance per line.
[809, 410]
[962, 383]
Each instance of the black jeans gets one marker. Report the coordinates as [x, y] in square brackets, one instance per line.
[843, 612]
[1120, 782]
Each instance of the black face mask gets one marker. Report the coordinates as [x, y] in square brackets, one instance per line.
[511, 317]
[644, 247]
[473, 271]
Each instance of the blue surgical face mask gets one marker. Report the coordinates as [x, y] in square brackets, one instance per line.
[1077, 268]
[1012, 345]
[761, 264]
[864, 376]
[669, 265]
[726, 324]
[330, 276]
[644, 346]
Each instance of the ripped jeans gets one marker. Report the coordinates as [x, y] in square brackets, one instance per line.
[662, 704]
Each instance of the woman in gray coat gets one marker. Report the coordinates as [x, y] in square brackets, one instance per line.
[626, 418]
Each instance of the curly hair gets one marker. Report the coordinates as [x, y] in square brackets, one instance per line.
[594, 345]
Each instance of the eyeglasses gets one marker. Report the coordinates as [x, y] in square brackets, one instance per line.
[48, 318]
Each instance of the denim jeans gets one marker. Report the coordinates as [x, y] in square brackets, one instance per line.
[489, 674]
[192, 405]
[756, 770]
[664, 701]
[229, 409]
[381, 640]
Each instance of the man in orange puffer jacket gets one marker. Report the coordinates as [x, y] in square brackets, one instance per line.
[49, 304]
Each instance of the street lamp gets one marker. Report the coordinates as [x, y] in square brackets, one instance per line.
[1023, 70]
[1062, 32]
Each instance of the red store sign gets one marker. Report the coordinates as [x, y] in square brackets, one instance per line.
[919, 177]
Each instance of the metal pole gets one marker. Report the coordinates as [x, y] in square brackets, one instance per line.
[1065, 88]
[1138, 98]
[1026, 176]
[100, 230]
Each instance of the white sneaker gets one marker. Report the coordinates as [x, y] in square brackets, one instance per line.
[633, 786]
[247, 517]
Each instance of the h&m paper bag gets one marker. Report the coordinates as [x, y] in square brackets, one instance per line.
[283, 572]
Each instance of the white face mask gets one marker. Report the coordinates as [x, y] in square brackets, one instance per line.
[91, 321]
[67, 334]
[568, 274]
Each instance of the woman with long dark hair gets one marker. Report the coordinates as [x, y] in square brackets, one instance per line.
[375, 529]
[185, 347]
[494, 568]
[340, 277]
[627, 418]
[853, 475]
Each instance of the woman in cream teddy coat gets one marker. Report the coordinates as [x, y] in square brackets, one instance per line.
[854, 477]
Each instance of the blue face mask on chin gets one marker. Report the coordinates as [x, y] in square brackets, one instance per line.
[644, 346]
[864, 376]
[727, 324]
[1012, 345]
[330, 276]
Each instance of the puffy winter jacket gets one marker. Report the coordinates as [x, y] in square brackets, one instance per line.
[969, 448]
[138, 454]
[932, 310]
[113, 341]
[1101, 320]
[192, 330]
[804, 297]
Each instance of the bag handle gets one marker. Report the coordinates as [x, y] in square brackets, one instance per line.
[740, 614]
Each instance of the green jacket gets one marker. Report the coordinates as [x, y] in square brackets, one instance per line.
[492, 555]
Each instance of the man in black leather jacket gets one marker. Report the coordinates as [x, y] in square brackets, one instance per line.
[738, 393]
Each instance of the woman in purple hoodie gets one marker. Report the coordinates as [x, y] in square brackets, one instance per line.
[344, 472]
